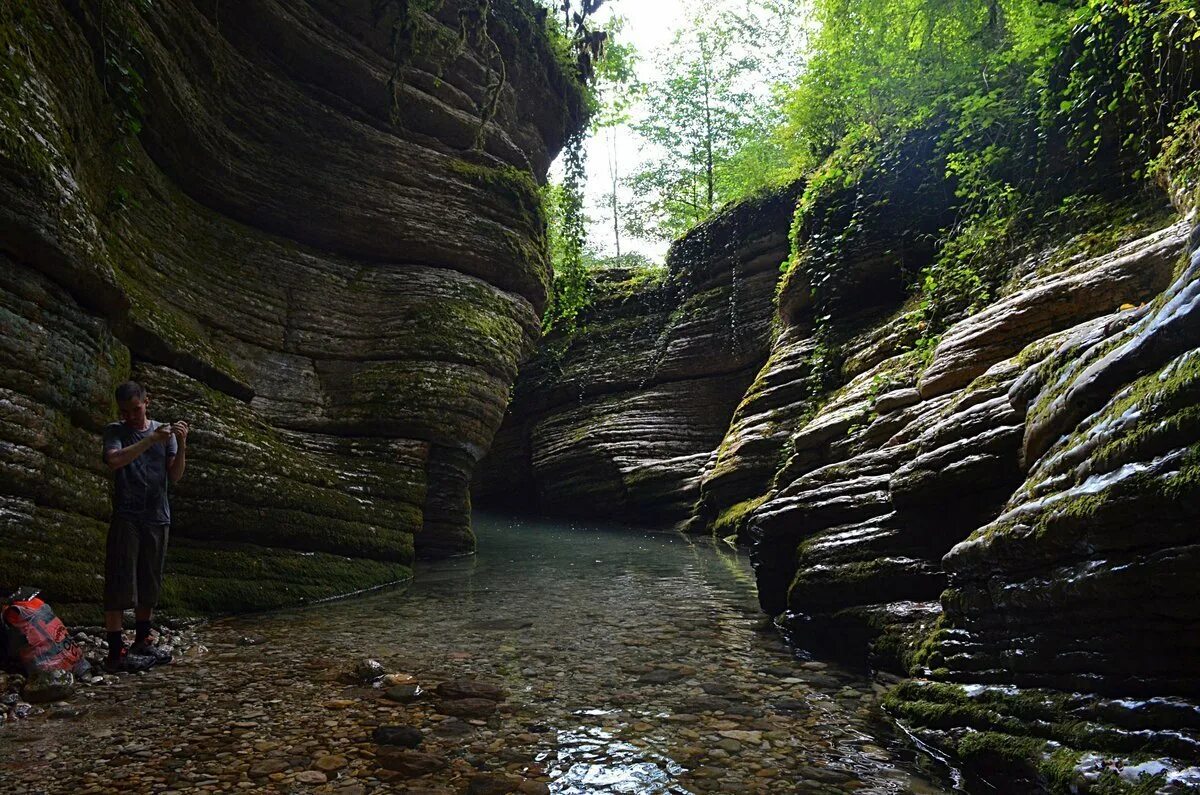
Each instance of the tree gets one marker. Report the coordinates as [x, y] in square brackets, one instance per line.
[610, 68]
[617, 89]
[707, 125]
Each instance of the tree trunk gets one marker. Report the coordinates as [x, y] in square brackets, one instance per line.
[614, 176]
[708, 126]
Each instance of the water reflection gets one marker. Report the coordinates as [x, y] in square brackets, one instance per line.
[634, 663]
[591, 761]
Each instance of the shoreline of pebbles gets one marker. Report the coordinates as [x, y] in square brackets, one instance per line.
[556, 661]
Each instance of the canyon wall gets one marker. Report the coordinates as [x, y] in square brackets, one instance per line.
[1004, 513]
[617, 419]
[318, 243]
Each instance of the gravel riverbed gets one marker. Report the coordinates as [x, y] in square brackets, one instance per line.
[558, 660]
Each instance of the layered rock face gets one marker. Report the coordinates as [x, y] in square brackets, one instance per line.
[906, 460]
[618, 420]
[279, 220]
[1085, 582]
[1054, 432]
[1008, 517]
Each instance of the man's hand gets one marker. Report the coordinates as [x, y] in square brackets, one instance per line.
[119, 457]
[178, 462]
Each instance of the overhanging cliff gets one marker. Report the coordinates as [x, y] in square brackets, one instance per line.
[313, 239]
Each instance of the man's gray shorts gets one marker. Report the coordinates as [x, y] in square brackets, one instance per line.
[133, 563]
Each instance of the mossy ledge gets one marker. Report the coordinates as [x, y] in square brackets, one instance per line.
[335, 291]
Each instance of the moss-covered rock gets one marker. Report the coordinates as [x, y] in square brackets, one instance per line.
[619, 418]
[314, 247]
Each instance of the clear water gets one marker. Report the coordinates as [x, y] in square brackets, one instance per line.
[634, 663]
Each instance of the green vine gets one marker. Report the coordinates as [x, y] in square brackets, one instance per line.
[567, 238]
[416, 33]
[121, 58]
[16, 141]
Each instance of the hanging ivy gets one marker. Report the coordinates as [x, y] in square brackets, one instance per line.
[121, 61]
[568, 234]
[416, 34]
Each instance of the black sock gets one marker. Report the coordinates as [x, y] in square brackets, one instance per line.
[143, 632]
[115, 643]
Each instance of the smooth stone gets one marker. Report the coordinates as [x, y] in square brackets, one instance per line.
[493, 784]
[661, 676]
[330, 764]
[403, 694]
[406, 736]
[467, 707]
[267, 767]
[409, 763]
[470, 688]
[754, 737]
[503, 624]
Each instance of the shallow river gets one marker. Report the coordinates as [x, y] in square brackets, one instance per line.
[633, 663]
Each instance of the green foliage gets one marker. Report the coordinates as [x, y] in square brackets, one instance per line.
[710, 126]
[17, 141]
[122, 62]
[415, 33]
[1177, 167]
[1039, 115]
[567, 236]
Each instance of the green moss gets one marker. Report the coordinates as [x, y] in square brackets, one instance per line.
[1028, 732]
[993, 749]
[942, 705]
[1177, 167]
[179, 333]
[255, 578]
[24, 138]
[925, 652]
[730, 521]
[1168, 402]
[506, 182]
[628, 284]
[1108, 225]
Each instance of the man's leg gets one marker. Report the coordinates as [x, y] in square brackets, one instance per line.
[152, 554]
[142, 616]
[120, 591]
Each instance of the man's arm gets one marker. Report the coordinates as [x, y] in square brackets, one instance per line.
[117, 458]
[178, 462]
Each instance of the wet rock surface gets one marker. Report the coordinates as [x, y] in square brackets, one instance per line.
[647, 670]
[619, 420]
[1084, 582]
[334, 292]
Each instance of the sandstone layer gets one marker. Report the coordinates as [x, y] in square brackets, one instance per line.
[618, 419]
[1007, 516]
[315, 246]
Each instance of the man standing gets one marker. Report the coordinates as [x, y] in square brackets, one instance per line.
[144, 455]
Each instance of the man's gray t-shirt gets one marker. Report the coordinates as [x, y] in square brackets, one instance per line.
[140, 489]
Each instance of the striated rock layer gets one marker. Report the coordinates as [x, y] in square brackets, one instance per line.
[618, 420]
[282, 225]
[1008, 517]
[1054, 432]
[1085, 582]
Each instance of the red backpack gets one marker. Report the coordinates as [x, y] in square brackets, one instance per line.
[38, 639]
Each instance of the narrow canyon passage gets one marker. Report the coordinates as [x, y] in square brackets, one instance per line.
[631, 662]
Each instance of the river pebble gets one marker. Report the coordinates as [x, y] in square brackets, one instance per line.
[529, 669]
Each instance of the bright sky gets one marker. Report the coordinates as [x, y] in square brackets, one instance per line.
[650, 25]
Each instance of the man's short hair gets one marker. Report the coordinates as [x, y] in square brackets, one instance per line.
[130, 390]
